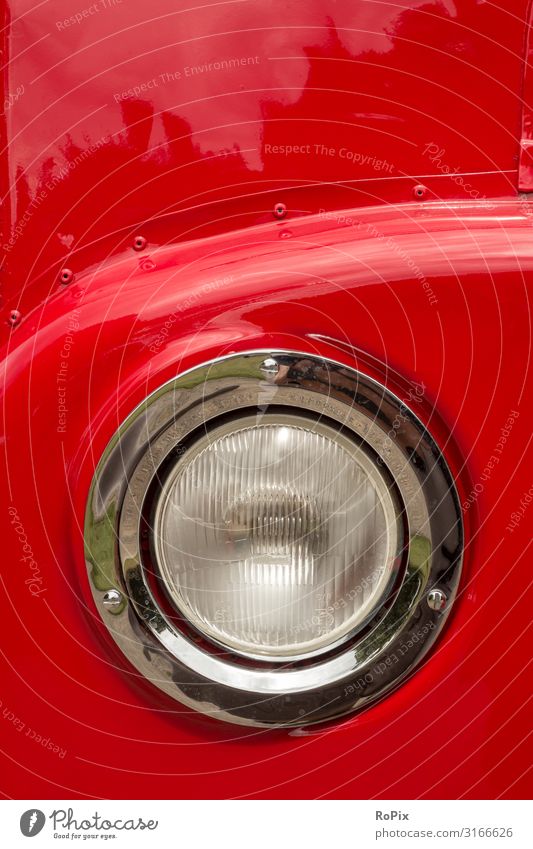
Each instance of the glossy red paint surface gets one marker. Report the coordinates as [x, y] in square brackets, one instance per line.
[188, 113]
[409, 290]
[453, 727]
[525, 177]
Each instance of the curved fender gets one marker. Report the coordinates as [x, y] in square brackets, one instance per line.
[381, 289]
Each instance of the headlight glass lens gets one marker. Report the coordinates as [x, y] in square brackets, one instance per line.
[276, 537]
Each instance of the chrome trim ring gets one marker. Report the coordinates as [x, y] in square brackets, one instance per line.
[308, 689]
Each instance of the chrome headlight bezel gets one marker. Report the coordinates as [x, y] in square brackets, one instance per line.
[307, 690]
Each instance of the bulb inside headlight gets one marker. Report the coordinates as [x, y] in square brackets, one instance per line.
[276, 537]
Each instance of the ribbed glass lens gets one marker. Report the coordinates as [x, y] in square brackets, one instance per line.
[276, 538]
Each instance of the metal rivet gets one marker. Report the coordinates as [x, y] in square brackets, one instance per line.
[420, 191]
[112, 599]
[66, 275]
[139, 243]
[437, 600]
[14, 318]
[269, 367]
[280, 210]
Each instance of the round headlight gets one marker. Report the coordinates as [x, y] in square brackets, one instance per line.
[266, 536]
[276, 538]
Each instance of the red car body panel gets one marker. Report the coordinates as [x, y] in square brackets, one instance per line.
[102, 142]
[429, 289]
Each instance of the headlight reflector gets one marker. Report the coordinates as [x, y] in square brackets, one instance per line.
[276, 536]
